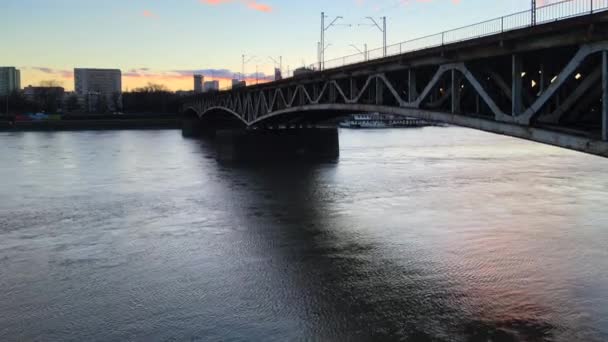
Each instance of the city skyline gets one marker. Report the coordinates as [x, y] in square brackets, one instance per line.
[152, 41]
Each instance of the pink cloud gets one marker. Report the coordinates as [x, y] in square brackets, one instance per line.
[149, 14]
[258, 6]
[251, 4]
[54, 72]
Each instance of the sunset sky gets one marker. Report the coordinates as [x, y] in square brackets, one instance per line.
[166, 41]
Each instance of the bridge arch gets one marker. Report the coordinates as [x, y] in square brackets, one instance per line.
[214, 118]
[221, 118]
[190, 113]
[506, 83]
[225, 112]
[579, 143]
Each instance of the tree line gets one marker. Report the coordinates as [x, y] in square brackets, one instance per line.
[152, 98]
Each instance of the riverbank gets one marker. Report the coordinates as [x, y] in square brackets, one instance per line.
[92, 122]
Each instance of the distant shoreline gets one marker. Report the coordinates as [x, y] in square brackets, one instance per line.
[93, 122]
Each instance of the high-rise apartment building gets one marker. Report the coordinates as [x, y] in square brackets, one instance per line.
[211, 86]
[10, 80]
[236, 83]
[198, 83]
[91, 85]
[103, 81]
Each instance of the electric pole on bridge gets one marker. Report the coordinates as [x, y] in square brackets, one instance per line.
[382, 29]
[533, 13]
[243, 77]
[279, 63]
[321, 52]
[364, 52]
[322, 43]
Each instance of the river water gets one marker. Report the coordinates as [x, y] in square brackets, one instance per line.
[434, 234]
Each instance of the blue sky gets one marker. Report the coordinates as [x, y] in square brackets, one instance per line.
[151, 39]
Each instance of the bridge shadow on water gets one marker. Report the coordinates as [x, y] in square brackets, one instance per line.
[341, 283]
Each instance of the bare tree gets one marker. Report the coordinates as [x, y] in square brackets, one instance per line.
[72, 103]
[152, 88]
[102, 104]
[152, 98]
[51, 83]
[117, 101]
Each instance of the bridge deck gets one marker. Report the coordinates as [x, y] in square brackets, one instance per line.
[546, 83]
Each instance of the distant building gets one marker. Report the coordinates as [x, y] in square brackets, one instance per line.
[278, 75]
[238, 83]
[93, 85]
[211, 86]
[68, 103]
[104, 81]
[36, 93]
[302, 71]
[182, 93]
[10, 80]
[198, 83]
[49, 99]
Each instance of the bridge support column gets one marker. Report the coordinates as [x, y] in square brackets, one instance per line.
[301, 98]
[411, 85]
[353, 89]
[277, 144]
[315, 92]
[605, 95]
[194, 128]
[333, 93]
[455, 92]
[379, 91]
[542, 78]
[289, 96]
[516, 83]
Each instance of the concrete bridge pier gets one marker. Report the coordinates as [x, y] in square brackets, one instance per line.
[194, 128]
[277, 144]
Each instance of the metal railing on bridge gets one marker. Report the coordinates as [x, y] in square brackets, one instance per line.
[251, 81]
[544, 14]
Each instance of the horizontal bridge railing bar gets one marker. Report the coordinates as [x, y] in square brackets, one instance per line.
[544, 14]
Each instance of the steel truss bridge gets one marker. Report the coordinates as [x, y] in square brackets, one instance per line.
[545, 81]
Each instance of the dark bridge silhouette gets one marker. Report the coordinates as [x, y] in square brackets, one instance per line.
[544, 80]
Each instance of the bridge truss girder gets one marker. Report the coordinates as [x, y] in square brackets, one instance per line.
[497, 101]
